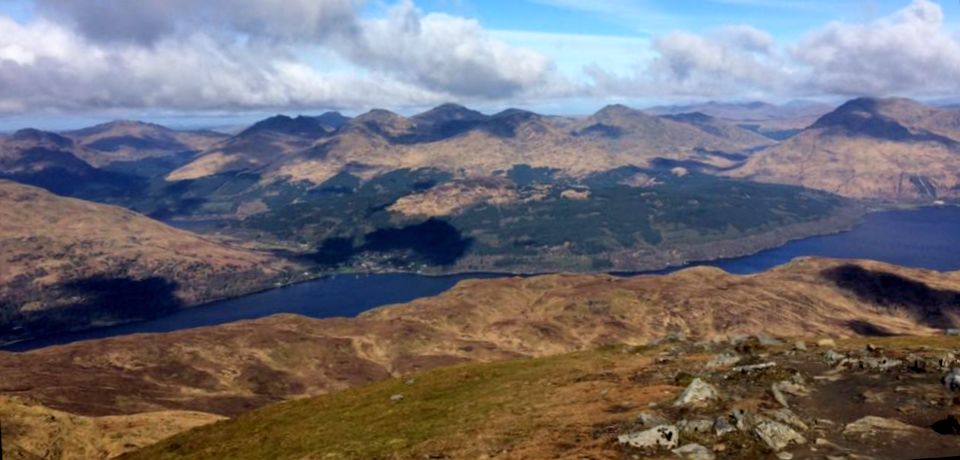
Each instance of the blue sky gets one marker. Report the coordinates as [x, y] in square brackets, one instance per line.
[208, 60]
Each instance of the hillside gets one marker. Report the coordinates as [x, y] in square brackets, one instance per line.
[887, 149]
[127, 141]
[462, 141]
[742, 399]
[71, 264]
[232, 368]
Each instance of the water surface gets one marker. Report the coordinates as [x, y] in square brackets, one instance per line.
[923, 238]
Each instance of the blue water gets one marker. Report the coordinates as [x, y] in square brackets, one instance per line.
[924, 238]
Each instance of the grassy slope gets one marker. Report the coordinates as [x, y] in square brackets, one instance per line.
[566, 406]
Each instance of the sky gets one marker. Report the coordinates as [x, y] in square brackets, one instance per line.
[220, 62]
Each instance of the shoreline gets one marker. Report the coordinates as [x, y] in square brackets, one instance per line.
[771, 240]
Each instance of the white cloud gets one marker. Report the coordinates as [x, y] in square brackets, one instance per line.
[910, 52]
[253, 54]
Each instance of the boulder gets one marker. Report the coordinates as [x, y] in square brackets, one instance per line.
[723, 427]
[826, 343]
[698, 393]
[788, 417]
[777, 436]
[786, 387]
[800, 345]
[754, 367]
[872, 426]
[694, 452]
[700, 426]
[952, 380]
[833, 358]
[723, 360]
[663, 436]
[650, 420]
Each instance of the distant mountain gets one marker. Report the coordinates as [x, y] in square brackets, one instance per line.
[133, 140]
[748, 111]
[55, 162]
[468, 143]
[69, 264]
[891, 149]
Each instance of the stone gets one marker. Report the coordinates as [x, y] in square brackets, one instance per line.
[881, 364]
[723, 427]
[833, 358]
[723, 360]
[800, 345]
[745, 420]
[768, 341]
[872, 426]
[754, 367]
[785, 456]
[952, 332]
[698, 393]
[694, 452]
[788, 417]
[777, 436]
[826, 343]
[650, 420]
[952, 380]
[663, 436]
[785, 387]
[700, 426]
[396, 398]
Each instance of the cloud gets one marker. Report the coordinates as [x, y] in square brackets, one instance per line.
[447, 53]
[148, 21]
[909, 52]
[253, 54]
[732, 60]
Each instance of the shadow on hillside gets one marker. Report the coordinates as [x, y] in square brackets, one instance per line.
[95, 300]
[433, 242]
[928, 305]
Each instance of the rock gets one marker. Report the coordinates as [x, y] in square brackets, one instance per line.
[396, 398]
[952, 332]
[768, 341]
[698, 393]
[833, 358]
[788, 417]
[777, 436]
[785, 456]
[650, 420]
[783, 388]
[947, 426]
[663, 436]
[952, 380]
[744, 420]
[694, 452]
[826, 343]
[800, 345]
[695, 426]
[723, 427]
[754, 367]
[878, 426]
[882, 363]
[723, 360]
[737, 339]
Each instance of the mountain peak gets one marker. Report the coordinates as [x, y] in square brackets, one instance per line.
[36, 136]
[303, 126]
[449, 112]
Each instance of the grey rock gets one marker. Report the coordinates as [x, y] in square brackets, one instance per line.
[754, 367]
[723, 427]
[833, 358]
[694, 452]
[663, 436]
[788, 417]
[952, 332]
[744, 420]
[650, 420]
[881, 363]
[723, 360]
[396, 398]
[800, 345]
[878, 426]
[787, 387]
[698, 393]
[768, 341]
[952, 380]
[777, 436]
[695, 426]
